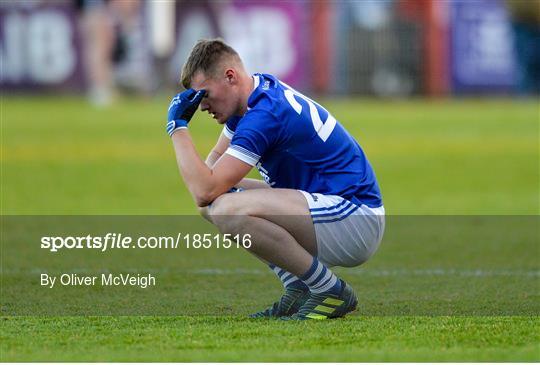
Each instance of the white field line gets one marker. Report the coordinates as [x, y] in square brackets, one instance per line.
[243, 271]
[393, 272]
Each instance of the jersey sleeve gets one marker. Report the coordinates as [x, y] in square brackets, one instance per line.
[257, 132]
[230, 127]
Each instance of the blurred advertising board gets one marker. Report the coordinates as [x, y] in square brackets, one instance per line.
[39, 46]
[270, 36]
[41, 42]
[481, 48]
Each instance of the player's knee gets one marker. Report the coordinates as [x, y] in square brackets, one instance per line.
[203, 211]
[227, 213]
[227, 205]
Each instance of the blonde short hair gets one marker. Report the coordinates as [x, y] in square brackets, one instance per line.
[206, 56]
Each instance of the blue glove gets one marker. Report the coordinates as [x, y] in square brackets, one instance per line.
[182, 108]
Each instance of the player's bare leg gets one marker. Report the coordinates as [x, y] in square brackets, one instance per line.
[282, 233]
[278, 221]
[296, 292]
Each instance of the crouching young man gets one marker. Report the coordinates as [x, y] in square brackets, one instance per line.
[319, 205]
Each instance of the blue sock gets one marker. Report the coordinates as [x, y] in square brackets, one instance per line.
[321, 279]
[289, 280]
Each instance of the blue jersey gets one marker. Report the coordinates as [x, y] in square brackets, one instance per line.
[296, 144]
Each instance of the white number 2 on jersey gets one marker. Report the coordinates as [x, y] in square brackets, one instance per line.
[323, 129]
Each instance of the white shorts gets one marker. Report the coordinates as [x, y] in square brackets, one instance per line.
[347, 234]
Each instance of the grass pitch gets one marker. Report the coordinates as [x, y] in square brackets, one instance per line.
[61, 156]
[469, 298]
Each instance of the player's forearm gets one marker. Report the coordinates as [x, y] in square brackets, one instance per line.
[248, 183]
[212, 158]
[196, 174]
